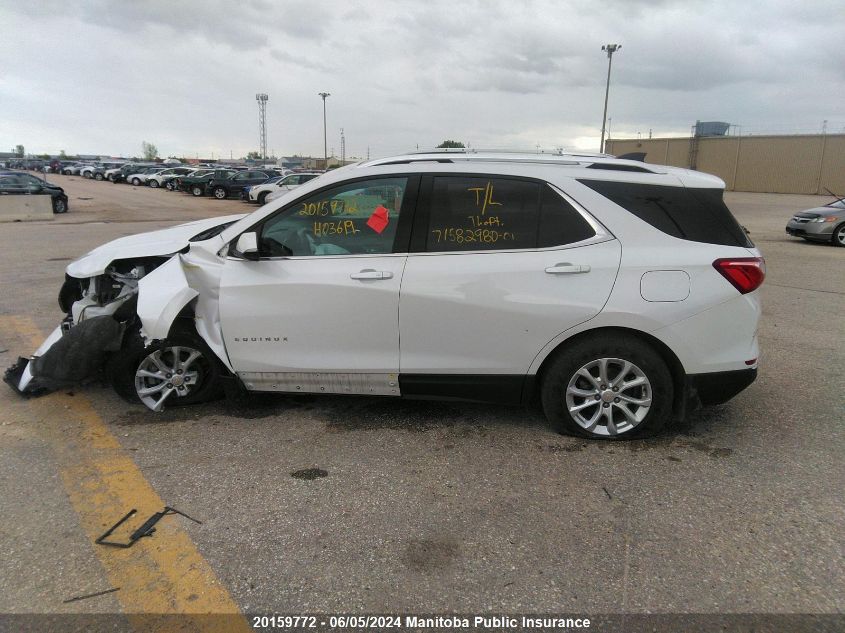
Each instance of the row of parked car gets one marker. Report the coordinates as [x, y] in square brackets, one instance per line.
[251, 185]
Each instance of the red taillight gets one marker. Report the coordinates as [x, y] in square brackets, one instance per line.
[745, 273]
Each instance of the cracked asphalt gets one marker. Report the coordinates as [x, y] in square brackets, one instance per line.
[332, 504]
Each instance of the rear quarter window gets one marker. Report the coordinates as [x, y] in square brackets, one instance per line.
[695, 214]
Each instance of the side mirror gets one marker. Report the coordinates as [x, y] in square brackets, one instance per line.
[247, 246]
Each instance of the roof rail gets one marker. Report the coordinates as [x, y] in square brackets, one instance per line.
[494, 150]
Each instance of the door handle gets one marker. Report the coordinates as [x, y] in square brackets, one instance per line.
[369, 273]
[565, 268]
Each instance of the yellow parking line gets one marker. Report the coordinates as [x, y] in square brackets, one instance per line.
[164, 574]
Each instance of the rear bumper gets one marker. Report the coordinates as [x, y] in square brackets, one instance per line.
[719, 387]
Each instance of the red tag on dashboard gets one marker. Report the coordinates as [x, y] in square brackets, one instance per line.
[379, 219]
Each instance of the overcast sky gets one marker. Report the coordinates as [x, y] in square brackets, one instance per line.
[102, 76]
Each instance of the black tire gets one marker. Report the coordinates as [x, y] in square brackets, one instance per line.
[136, 181]
[169, 185]
[59, 205]
[153, 183]
[111, 177]
[262, 197]
[197, 191]
[557, 376]
[98, 176]
[123, 365]
[220, 193]
[66, 172]
[838, 237]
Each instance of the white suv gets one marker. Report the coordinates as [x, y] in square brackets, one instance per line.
[277, 187]
[614, 291]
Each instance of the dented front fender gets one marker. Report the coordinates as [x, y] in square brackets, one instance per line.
[161, 297]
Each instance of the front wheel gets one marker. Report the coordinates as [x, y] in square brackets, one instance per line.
[262, 197]
[98, 176]
[219, 193]
[838, 238]
[136, 181]
[178, 371]
[169, 185]
[608, 387]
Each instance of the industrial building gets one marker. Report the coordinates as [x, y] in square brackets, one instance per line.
[807, 164]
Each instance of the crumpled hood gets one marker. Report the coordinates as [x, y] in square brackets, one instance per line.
[153, 243]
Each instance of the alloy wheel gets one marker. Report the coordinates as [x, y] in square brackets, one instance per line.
[172, 370]
[839, 236]
[608, 396]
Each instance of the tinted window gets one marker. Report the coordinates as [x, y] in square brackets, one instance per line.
[472, 214]
[355, 218]
[560, 222]
[699, 215]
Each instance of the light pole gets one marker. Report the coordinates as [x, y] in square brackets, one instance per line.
[325, 143]
[262, 123]
[610, 49]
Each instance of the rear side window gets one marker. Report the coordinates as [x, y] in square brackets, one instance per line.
[698, 215]
[477, 213]
[471, 213]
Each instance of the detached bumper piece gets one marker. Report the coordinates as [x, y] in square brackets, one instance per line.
[71, 358]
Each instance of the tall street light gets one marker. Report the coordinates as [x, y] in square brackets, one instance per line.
[610, 48]
[325, 143]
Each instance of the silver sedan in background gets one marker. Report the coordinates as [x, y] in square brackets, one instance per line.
[820, 224]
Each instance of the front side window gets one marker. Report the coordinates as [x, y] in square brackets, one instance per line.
[351, 219]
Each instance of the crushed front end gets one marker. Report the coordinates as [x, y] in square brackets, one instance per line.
[98, 312]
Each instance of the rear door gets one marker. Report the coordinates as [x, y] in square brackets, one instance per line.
[499, 267]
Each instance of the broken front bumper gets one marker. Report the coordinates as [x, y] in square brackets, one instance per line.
[67, 356]
[19, 376]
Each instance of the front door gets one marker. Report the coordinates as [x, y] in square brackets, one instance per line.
[319, 310]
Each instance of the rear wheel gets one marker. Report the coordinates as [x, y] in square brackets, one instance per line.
[838, 238]
[608, 387]
[178, 371]
[98, 176]
[219, 193]
[59, 205]
[136, 181]
[197, 191]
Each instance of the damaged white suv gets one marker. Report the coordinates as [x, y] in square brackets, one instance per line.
[618, 293]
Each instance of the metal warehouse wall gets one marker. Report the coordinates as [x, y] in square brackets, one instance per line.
[765, 164]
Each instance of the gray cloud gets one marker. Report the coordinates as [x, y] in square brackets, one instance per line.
[100, 76]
